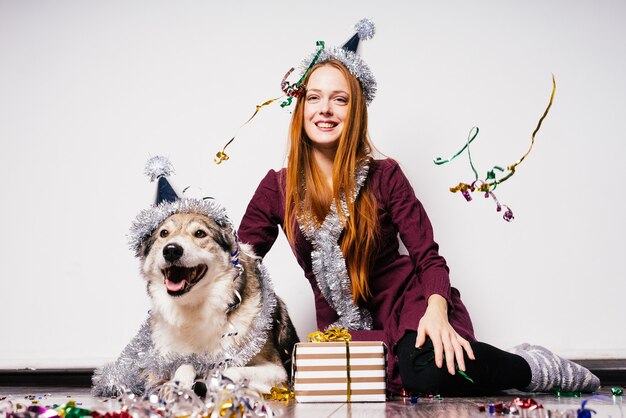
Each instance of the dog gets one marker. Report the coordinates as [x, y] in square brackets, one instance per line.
[213, 306]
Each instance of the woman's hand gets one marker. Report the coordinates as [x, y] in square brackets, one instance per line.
[435, 325]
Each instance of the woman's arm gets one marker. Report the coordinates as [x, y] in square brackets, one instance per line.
[431, 270]
[259, 226]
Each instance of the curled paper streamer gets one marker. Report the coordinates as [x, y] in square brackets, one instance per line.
[221, 155]
[297, 89]
[530, 408]
[583, 412]
[280, 394]
[291, 90]
[491, 180]
[527, 403]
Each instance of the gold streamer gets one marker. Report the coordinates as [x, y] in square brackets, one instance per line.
[221, 155]
[511, 168]
[486, 186]
[460, 187]
[290, 90]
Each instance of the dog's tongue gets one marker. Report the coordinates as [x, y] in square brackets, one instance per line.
[174, 287]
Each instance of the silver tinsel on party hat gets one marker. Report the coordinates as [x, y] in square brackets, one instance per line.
[167, 202]
[348, 56]
[158, 166]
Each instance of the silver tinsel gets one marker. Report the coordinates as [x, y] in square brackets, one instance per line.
[158, 166]
[140, 358]
[328, 263]
[150, 219]
[365, 29]
[353, 62]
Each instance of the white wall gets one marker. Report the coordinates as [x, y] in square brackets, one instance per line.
[90, 89]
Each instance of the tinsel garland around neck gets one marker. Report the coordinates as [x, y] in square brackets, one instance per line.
[328, 263]
[140, 356]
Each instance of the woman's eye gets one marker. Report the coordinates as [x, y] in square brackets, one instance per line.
[311, 98]
[342, 100]
[200, 234]
[164, 233]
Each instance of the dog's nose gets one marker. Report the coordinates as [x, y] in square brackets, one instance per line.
[172, 252]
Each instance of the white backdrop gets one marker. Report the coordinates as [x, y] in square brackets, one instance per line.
[90, 89]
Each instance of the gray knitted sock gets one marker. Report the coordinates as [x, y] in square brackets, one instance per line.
[519, 348]
[550, 372]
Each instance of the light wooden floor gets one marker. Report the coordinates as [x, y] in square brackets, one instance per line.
[605, 405]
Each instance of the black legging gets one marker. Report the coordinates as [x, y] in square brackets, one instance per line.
[493, 370]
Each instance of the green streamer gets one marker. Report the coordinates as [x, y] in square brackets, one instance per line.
[491, 180]
[456, 366]
[470, 138]
[298, 85]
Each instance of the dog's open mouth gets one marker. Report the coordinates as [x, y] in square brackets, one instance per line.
[179, 280]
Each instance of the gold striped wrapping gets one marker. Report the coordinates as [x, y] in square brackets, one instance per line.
[352, 371]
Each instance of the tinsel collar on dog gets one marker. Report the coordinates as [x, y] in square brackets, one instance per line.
[141, 354]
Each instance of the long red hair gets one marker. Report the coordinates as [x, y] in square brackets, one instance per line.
[307, 190]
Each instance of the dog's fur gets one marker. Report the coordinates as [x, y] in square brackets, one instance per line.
[193, 284]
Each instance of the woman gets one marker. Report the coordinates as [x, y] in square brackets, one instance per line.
[342, 212]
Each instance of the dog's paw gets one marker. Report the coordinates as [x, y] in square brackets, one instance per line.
[260, 387]
[236, 374]
[185, 375]
[256, 377]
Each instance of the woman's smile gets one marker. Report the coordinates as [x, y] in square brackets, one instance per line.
[326, 126]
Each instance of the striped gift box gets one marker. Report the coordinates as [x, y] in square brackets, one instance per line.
[336, 372]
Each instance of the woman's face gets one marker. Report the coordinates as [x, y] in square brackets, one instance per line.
[325, 107]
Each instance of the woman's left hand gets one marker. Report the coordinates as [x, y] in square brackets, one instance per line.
[446, 340]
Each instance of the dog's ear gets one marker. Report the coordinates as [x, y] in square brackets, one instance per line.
[225, 240]
[224, 237]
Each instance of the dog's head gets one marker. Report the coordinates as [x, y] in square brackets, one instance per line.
[184, 244]
[184, 249]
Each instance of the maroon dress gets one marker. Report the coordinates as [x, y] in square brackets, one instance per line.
[400, 284]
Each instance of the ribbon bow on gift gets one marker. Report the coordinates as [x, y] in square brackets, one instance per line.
[330, 335]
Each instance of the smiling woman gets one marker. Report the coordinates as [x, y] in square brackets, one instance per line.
[343, 211]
